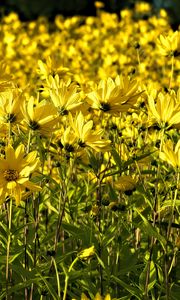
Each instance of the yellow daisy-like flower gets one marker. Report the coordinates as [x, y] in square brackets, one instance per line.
[85, 135]
[165, 111]
[64, 95]
[125, 183]
[68, 140]
[10, 107]
[169, 45]
[52, 66]
[39, 117]
[114, 96]
[96, 297]
[6, 82]
[171, 154]
[15, 170]
[99, 4]
[86, 253]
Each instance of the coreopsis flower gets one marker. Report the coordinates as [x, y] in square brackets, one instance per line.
[15, 171]
[125, 183]
[11, 102]
[52, 67]
[169, 45]
[96, 297]
[68, 140]
[114, 96]
[99, 4]
[39, 117]
[171, 154]
[6, 81]
[86, 136]
[64, 96]
[165, 110]
[99, 297]
[86, 253]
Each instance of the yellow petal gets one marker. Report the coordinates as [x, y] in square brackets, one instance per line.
[17, 194]
[11, 185]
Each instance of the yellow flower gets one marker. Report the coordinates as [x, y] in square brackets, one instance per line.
[165, 111]
[169, 45]
[171, 154]
[10, 107]
[40, 117]
[125, 183]
[68, 140]
[84, 297]
[86, 136]
[5, 79]
[64, 95]
[86, 253]
[98, 297]
[52, 67]
[99, 4]
[114, 96]
[15, 170]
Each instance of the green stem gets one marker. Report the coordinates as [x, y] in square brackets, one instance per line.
[67, 277]
[57, 278]
[8, 248]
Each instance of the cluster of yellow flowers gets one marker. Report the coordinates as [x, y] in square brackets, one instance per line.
[91, 101]
[55, 84]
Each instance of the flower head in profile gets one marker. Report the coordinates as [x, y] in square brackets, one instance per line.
[40, 117]
[96, 297]
[171, 153]
[52, 66]
[86, 136]
[165, 110]
[10, 107]
[169, 45]
[114, 96]
[86, 253]
[68, 140]
[125, 183]
[6, 81]
[64, 95]
[15, 171]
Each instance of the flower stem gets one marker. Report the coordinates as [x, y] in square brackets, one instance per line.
[8, 248]
[67, 276]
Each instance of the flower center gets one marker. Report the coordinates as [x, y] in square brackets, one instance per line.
[69, 148]
[104, 106]
[62, 111]
[81, 144]
[34, 125]
[10, 175]
[10, 118]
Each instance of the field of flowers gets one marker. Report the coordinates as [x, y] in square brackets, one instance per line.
[90, 157]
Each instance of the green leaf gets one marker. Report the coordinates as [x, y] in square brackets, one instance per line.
[150, 230]
[152, 276]
[117, 158]
[132, 290]
[49, 288]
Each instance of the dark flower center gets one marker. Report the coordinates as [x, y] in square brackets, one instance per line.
[34, 125]
[81, 144]
[104, 106]
[10, 175]
[63, 111]
[69, 148]
[10, 118]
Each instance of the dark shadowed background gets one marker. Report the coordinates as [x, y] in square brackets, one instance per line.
[31, 9]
